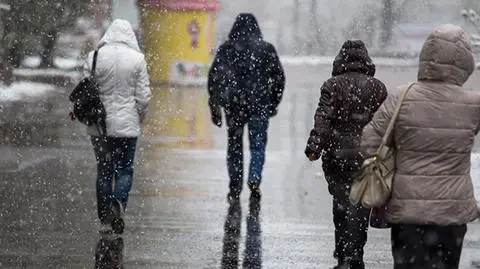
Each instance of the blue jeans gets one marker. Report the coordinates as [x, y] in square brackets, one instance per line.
[257, 133]
[115, 159]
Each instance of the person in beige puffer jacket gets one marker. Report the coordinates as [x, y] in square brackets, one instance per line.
[432, 197]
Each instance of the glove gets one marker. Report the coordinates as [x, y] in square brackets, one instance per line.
[216, 114]
[311, 155]
[273, 112]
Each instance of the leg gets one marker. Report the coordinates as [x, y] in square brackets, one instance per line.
[445, 246]
[339, 221]
[235, 159]
[408, 246]
[354, 232]
[257, 133]
[351, 224]
[124, 161]
[105, 173]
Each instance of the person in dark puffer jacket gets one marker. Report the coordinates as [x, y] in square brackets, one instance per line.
[347, 104]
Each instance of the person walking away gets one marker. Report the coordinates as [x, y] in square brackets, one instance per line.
[347, 103]
[246, 80]
[121, 73]
[432, 195]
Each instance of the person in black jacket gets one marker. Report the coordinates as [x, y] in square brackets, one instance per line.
[347, 104]
[246, 80]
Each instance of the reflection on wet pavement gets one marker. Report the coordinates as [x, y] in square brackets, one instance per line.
[252, 258]
[231, 240]
[253, 243]
[109, 253]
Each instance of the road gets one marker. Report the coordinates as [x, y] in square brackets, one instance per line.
[178, 216]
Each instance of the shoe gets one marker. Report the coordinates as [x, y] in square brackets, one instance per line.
[118, 225]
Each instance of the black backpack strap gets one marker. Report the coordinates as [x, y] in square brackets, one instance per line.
[94, 64]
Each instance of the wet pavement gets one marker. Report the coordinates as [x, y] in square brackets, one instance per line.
[178, 216]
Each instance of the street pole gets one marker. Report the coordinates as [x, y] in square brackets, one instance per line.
[387, 23]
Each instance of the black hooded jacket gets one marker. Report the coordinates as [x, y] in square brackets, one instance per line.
[246, 77]
[347, 104]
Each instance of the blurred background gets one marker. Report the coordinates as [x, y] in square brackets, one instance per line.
[33, 32]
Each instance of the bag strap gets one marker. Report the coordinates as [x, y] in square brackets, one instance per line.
[393, 120]
[94, 64]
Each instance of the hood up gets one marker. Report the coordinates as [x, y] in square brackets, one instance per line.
[245, 27]
[447, 56]
[120, 32]
[353, 57]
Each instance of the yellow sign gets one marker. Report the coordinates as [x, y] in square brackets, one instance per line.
[178, 47]
[176, 37]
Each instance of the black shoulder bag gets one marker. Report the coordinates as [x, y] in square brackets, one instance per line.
[87, 106]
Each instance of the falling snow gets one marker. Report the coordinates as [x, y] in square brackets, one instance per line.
[182, 212]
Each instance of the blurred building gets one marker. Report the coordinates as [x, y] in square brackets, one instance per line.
[101, 11]
[127, 10]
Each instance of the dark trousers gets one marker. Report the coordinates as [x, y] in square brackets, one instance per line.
[351, 223]
[257, 134]
[115, 159]
[427, 246]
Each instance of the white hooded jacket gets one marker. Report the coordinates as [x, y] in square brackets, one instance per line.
[122, 75]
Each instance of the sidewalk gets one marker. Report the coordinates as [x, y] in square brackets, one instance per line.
[178, 210]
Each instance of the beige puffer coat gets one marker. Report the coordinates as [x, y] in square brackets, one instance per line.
[434, 136]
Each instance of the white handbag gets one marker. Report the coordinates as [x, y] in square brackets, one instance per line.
[372, 184]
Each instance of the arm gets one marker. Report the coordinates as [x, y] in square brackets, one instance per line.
[324, 115]
[216, 75]
[143, 93]
[215, 80]
[373, 133]
[276, 77]
[380, 95]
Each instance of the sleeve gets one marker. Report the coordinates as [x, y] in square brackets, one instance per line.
[381, 94]
[373, 133]
[324, 115]
[143, 93]
[276, 77]
[215, 78]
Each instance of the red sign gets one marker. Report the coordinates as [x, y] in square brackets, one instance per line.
[194, 31]
[204, 5]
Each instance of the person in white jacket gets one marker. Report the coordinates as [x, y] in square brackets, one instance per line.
[121, 73]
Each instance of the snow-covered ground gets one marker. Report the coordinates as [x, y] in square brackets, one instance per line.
[25, 90]
[42, 72]
[59, 62]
